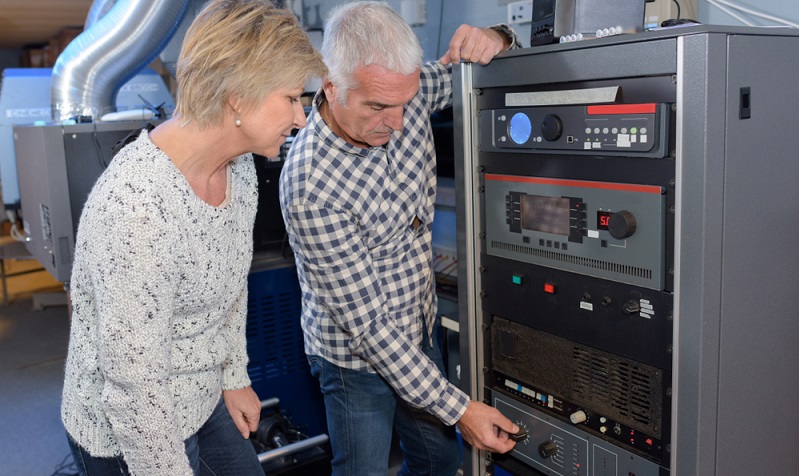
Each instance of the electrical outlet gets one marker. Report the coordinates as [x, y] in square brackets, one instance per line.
[520, 12]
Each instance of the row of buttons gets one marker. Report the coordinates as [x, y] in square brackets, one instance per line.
[615, 130]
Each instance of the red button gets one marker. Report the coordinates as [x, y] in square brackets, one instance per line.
[549, 288]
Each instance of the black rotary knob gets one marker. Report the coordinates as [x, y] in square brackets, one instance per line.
[622, 224]
[547, 449]
[551, 127]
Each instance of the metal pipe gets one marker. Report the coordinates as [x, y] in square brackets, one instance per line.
[97, 11]
[269, 403]
[292, 448]
[90, 71]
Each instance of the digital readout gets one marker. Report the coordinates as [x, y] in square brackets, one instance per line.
[602, 220]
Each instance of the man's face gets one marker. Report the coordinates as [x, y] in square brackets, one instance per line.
[373, 109]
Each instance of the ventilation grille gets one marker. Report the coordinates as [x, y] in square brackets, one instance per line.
[626, 270]
[606, 381]
[274, 336]
[620, 389]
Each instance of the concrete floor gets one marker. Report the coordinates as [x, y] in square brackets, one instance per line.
[33, 345]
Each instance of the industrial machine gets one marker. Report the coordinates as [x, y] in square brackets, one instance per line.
[626, 212]
[25, 100]
[58, 166]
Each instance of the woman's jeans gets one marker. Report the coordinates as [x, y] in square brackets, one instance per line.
[216, 449]
[362, 409]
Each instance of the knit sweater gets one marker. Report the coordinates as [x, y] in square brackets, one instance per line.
[159, 295]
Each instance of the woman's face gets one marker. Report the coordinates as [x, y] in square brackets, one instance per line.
[266, 126]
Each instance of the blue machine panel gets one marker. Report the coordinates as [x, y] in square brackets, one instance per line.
[278, 366]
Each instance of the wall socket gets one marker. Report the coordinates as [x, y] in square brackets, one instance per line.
[520, 12]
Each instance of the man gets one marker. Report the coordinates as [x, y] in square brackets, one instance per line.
[358, 193]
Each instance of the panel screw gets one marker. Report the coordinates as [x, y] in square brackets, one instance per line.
[481, 169]
[674, 78]
[672, 183]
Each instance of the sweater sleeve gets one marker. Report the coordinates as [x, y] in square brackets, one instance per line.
[234, 369]
[132, 273]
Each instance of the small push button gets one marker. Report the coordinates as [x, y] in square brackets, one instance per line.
[549, 288]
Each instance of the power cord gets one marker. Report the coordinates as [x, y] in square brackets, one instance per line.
[678, 8]
[14, 231]
[67, 467]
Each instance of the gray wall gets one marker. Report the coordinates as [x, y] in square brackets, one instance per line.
[435, 34]
[784, 9]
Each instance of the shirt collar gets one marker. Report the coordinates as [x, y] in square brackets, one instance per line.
[324, 132]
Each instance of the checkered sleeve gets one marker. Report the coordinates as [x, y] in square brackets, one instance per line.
[337, 264]
[435, 85]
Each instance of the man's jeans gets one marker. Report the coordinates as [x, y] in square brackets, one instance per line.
[216, 449]
[361, 411]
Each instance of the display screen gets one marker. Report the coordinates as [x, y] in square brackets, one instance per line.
[602, 220]
[546, 214]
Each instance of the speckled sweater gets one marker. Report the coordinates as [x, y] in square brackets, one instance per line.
[159, 294]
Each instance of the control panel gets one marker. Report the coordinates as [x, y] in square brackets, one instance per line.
[604, 229]
[628, 129]
[555, 447]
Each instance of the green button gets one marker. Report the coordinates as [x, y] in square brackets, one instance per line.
[634, 130]
[517, 279]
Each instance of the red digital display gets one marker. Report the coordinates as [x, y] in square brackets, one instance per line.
[602, 220]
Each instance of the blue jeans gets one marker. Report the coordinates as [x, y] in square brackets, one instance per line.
[362, 409]
[216, 449]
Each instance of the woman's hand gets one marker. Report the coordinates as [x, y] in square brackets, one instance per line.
[245, 409]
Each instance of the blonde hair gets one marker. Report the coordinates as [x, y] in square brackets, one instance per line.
[243, 49]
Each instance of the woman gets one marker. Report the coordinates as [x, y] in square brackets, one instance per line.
[156, 377]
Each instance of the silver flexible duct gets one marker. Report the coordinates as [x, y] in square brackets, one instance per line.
[92, 68]
[98, 10]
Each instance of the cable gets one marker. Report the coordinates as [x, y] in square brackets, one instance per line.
[440, 27]
[14, 231]
[66, 468]
[678, 8]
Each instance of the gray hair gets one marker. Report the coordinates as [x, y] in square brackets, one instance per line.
[360, 34]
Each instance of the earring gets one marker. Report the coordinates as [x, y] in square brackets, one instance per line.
[238, 122]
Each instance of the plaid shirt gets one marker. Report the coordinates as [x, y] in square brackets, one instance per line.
[365, 271]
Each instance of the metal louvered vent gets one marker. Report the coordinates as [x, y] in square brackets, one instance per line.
[625, 388]
[274, 336]
[601, 265]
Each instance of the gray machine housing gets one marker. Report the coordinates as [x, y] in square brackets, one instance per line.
[58, 166]
[727, 270]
